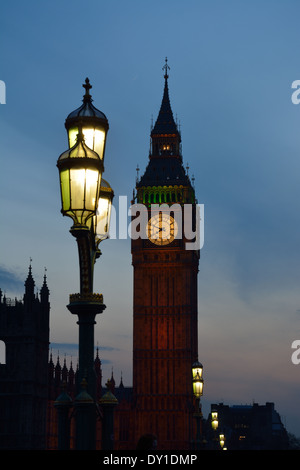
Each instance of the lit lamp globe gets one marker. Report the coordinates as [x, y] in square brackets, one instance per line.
[80, 172]
[197, 371]
[92, 122]
[103, 213]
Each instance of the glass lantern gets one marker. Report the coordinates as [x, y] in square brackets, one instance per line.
[197, 371]
[80, 170]
[214, 420]
[92, 122]
[102, 217]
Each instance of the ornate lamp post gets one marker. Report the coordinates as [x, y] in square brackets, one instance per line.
[80, 171]
[214, 420]
[222, 440]
[198, 383]
[214, 425]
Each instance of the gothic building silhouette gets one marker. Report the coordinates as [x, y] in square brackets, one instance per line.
[24, 330]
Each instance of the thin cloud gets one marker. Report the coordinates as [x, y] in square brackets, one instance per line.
[10, 281]
[70, 351]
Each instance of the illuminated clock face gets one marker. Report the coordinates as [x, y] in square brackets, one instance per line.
[162, 229]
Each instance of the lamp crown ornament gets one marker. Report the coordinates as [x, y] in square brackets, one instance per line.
[87, 87]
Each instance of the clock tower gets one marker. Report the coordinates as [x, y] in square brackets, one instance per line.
[165, 342]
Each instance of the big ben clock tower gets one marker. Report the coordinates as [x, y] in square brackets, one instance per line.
[165, 342]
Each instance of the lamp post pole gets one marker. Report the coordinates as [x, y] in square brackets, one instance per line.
[86, 305]
[80, 170]
[198, 417]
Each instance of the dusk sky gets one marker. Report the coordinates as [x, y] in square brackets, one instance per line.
[232, 65]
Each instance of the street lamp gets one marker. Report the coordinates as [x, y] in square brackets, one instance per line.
[214, 420]
[222, 440]
[81, 186]
[214, 425]
[198, 383]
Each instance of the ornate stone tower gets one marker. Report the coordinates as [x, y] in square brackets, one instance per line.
[165, 314]
[24, 329]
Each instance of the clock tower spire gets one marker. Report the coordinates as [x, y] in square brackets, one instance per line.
[165, 135]
[165, 341]
[165, 179]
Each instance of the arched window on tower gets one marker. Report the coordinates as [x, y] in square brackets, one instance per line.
[2, 352]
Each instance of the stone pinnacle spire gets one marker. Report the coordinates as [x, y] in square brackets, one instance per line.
[165, 123]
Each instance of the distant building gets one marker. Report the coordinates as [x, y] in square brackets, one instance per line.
[248, 427]
[24, 331]
[61, 376]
